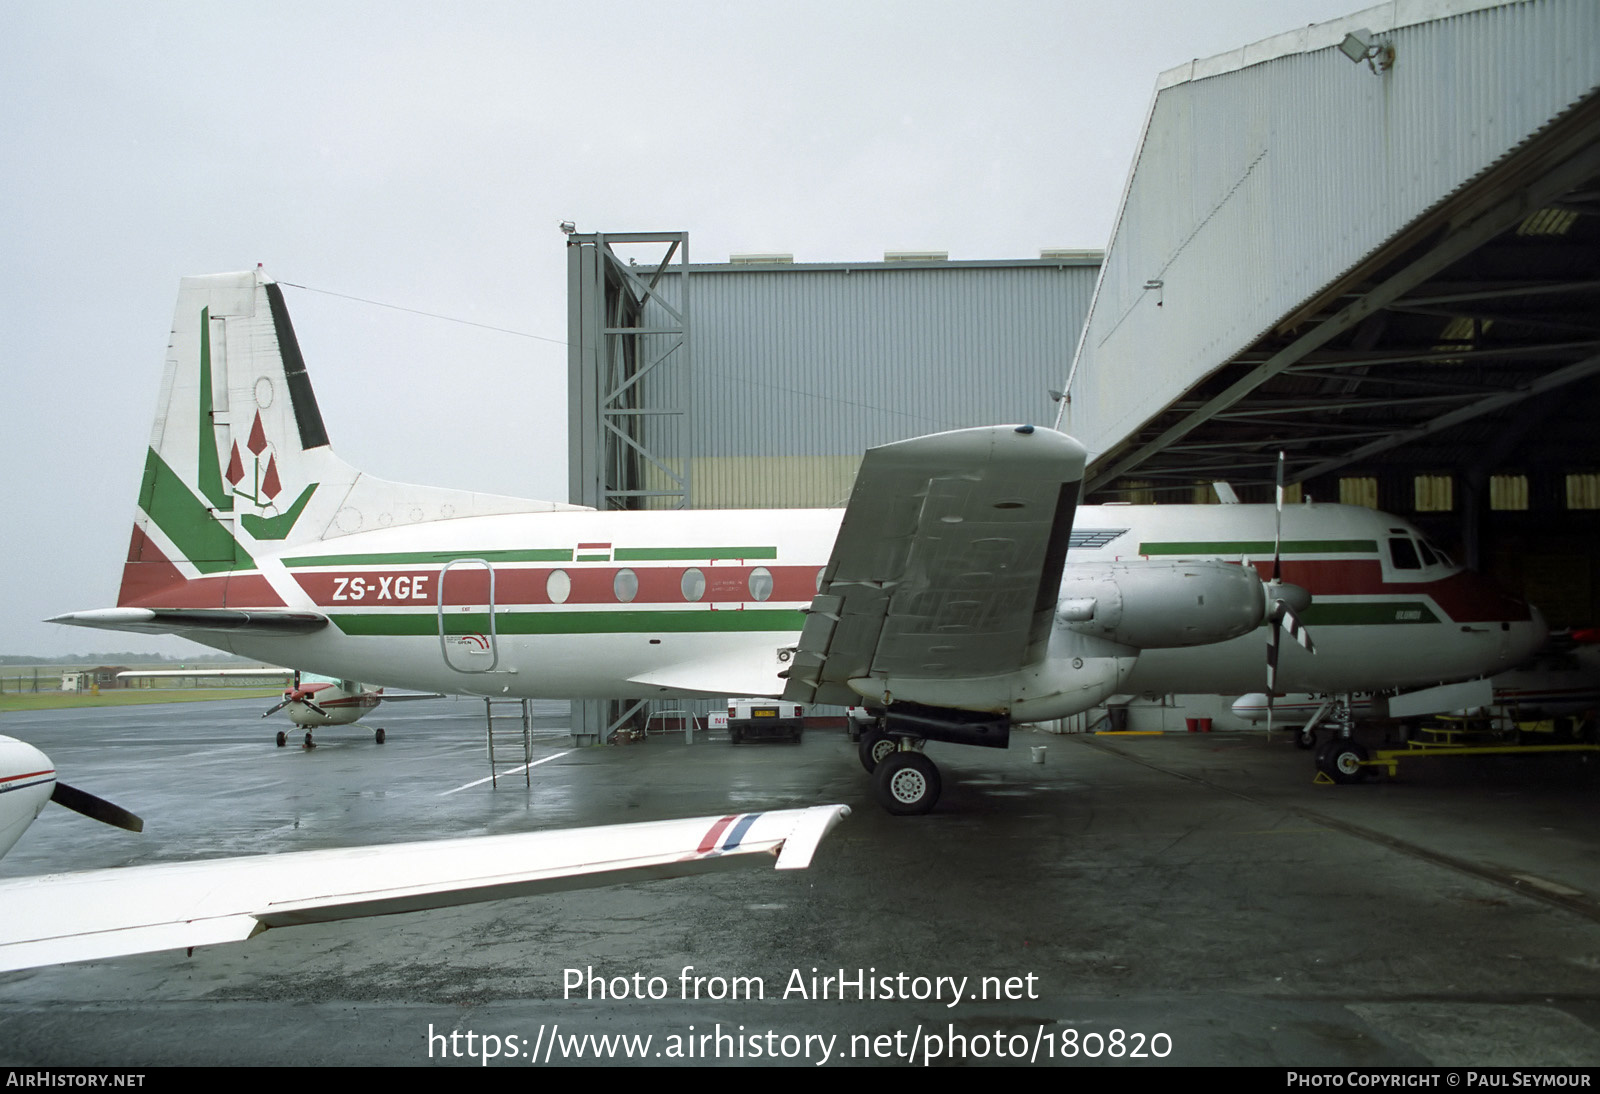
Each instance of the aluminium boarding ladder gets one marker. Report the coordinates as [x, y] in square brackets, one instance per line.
[507, 734]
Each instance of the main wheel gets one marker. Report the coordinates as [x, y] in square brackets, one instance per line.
[380, 735]
[1341, 761]
[283, 738]
[907, 783]
[874, 749]
[309, 742]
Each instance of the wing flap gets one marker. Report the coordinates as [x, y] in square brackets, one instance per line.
[104, 913]
[947, 564]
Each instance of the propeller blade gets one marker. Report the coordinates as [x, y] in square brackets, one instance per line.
[277, 708]
[95, 808]
[1290, 622]
[1272, 667]
[1277, 535]
[1272, 656]
[314, 707]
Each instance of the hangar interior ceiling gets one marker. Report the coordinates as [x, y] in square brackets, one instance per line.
[1467, 349]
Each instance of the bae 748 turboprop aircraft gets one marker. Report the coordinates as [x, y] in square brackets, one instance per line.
[138, 909]
[962, 590]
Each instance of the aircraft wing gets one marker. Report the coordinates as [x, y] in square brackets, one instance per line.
[107, 913]
[948, 561]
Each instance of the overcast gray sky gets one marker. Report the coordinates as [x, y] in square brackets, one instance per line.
[423, 154]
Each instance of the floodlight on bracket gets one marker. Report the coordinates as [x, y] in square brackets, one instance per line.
[567, 227]
[1360, 45]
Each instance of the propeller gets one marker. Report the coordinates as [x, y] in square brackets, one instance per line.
[99, 809]
[1281, 617]
[295, 696]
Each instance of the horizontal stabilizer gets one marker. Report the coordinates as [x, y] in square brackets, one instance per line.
[107, 913]
[179, 620]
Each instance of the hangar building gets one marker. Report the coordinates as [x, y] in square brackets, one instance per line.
[1373, 243]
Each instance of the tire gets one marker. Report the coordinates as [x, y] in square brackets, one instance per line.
[735, 735]
[907, 784]
[1305, 739]
[380, 736]
[283, 738]
[309, 742]
[874, 749]
[1341, 761]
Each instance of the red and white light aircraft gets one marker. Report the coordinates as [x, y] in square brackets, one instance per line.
[313, 701]
[309, 701]
[961, 591]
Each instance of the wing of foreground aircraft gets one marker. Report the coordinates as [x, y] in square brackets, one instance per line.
[106, 913]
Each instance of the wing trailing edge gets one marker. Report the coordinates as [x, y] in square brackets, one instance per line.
[107, 913]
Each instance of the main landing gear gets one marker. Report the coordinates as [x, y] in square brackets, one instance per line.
[905, 781]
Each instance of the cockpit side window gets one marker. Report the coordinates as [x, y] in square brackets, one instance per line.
[1402, 555]
[1428, 557]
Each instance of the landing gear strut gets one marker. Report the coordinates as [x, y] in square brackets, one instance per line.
[1341, 758]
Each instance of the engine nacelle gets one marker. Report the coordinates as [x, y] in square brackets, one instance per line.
[1161, 605]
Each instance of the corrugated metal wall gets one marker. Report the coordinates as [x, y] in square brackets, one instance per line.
[798, 369]
[1256, 186]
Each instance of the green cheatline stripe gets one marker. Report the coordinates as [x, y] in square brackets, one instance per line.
[1352, 615]
[1262, 547]
[554, 622]
[187, 522]
[399, 557]
[672, 554]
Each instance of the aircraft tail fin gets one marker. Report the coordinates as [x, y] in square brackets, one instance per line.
[239, 463]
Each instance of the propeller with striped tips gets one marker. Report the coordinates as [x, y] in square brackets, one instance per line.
[1281, 617]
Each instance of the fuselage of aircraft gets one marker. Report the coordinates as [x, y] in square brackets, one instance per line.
[961, 590]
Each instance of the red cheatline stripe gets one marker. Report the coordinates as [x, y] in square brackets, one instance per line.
[594, 546]
[32, 774]
[710, 841]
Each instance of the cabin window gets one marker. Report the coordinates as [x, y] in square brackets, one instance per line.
[625, 585]
[1403, 554]
[693, 584]
[558, 586]
[760, 583]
